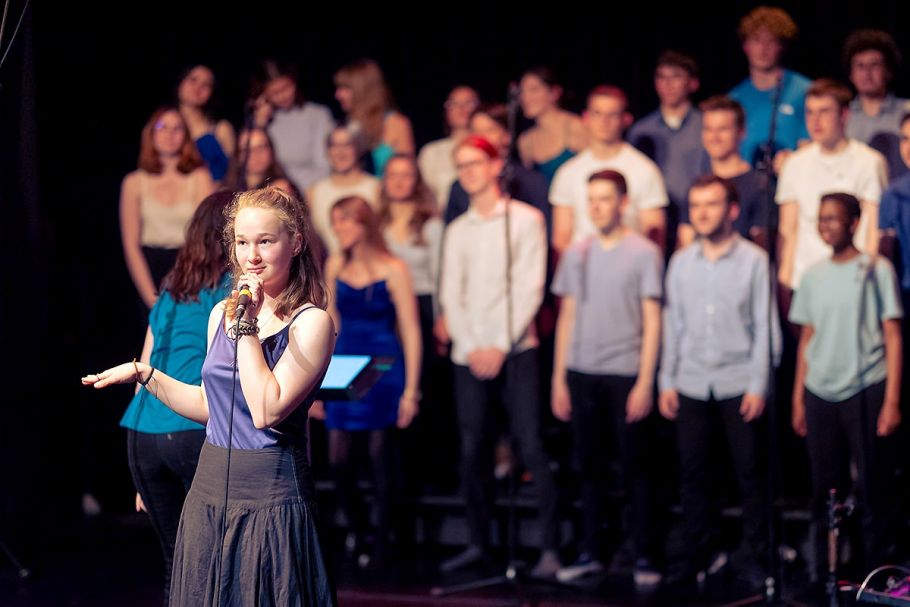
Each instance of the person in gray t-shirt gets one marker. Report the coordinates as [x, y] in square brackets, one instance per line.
[846, 397]
[607, 339]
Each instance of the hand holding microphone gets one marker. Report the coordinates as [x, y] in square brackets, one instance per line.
[249, 291]
[243, 299]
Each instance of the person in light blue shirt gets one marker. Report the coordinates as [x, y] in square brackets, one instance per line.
[718, 335]
[846, 396]
[163, 447]
[765, 32]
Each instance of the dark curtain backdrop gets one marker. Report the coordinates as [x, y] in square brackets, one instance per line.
[80, 82]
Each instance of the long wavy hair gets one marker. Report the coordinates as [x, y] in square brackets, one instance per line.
[305, 281]
[372, 98]
[421, 197]
[235, 179]
[148, 157]
[202, 261]
[272, 69]
[361, 211]
[209, 107]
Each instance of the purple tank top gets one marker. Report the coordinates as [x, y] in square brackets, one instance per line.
[217, 371]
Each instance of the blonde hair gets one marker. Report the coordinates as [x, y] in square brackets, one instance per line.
[371, 97]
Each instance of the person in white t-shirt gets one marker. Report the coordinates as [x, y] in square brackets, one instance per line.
[831, 163]
[605, 118]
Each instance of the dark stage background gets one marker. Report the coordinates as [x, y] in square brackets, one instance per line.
[80, 82]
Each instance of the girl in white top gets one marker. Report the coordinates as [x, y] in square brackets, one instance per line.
[346, 179]
[158, 199]
[435, 158]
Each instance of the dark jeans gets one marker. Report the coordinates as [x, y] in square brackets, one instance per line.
[163, 466]
[516, 384]
[839, 433]
[695, 427]
[598, 414]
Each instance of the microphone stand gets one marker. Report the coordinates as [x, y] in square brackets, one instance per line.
[511, 576]
[773, 590]
[21, 571]
[249, 123]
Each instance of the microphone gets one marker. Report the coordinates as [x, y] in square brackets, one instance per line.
[243, 300]
[514, 93]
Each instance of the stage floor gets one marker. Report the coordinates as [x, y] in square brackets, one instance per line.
[113, 561]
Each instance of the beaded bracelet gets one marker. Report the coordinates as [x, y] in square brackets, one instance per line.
[245, 327]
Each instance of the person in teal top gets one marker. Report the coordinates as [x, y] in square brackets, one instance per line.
[163, 447]
[770, 90]
[846, 397]
[366, 101]
[557, 135]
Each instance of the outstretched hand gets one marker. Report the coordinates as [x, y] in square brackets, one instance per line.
[121, 374]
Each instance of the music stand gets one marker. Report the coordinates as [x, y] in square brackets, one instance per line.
[350, 376]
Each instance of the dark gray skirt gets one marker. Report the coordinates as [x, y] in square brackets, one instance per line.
[271, 553]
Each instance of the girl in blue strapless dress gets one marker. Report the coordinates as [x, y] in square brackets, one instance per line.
[373, 304]
[215, 139]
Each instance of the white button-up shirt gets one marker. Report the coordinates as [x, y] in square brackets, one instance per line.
[473, 292]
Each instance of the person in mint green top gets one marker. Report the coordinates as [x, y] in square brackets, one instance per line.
[847, 391]
[163, 447]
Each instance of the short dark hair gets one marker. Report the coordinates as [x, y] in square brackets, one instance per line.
[862, 40]
[904, 119]
[615, 177]
[723, 103]
[828, 87]
[683, 61]
[731, 196]
[849, 202]
[543, 73]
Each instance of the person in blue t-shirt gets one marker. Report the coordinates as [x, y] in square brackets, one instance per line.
[894, 216]
[163, 447]
[846, 395]
[765, 33]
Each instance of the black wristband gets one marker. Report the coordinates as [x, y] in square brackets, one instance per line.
[147, 379]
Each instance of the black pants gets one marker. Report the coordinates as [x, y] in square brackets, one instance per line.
[598, 414]
[163, 466]
[516, 384]
[695, 427]
[839, 433]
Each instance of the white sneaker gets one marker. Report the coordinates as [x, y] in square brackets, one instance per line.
[645, 575]
[583, 567]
